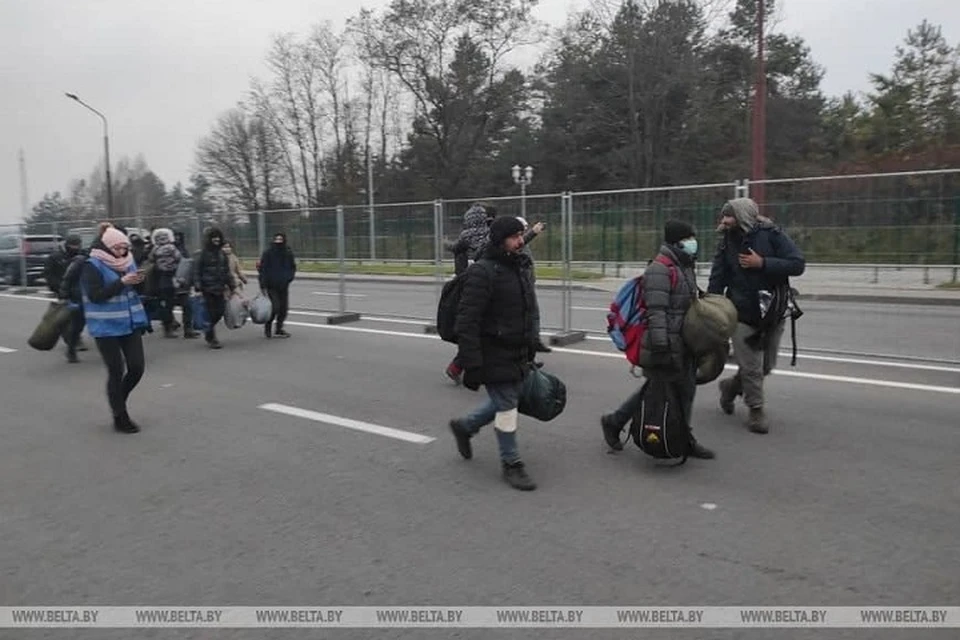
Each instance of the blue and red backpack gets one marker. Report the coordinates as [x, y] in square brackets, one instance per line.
[627, 318]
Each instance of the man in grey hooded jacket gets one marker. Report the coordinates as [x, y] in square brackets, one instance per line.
[753, 256]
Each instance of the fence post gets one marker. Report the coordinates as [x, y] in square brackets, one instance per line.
[567, 335]
[261, 232]
[343, 316]
[438, 246]
[956, 238]
[23, 258]
[373, 231]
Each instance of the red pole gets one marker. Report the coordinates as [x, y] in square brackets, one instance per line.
[759, 116]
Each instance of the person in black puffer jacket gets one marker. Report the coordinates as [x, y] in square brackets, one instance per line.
[664, 354]
[496, 329]
[211, 277]
[753, 255]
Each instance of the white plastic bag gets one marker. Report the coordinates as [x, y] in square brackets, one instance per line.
[260, 309]
[235, 315]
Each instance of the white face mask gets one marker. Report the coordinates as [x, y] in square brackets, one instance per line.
[689, 246]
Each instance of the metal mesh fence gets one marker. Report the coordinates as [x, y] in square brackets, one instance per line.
[905, 218]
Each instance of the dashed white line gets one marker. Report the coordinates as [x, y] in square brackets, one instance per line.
[7, 350]
[334, 293]
[347, 423]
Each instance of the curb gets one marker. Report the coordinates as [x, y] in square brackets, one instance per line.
[881, 299]
[372, 279]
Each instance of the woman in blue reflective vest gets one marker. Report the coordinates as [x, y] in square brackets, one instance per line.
[116, 319]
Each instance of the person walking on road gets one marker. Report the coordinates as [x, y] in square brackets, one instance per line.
[529, 235]
[58, 265]
[236, 270]
[473, 238]
[753, 265]
[664, 354]
[211, 278]
[116, 319]
[277, 269]
[495, 326]
[166, 258]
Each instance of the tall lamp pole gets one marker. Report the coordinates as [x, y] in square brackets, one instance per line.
[106, 152]
[523, 178]
[759, 116]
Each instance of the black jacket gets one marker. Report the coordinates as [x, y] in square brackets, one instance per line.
[497, 318]
[70, 284]
[781, 259]
[277, 267]
[56, 268]
[211, 268]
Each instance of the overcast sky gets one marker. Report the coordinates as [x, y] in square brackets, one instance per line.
[163, 70]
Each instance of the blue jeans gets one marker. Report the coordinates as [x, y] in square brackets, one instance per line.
[500, 397]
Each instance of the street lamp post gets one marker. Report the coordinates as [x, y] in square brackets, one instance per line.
[106, 152]
[523, 178]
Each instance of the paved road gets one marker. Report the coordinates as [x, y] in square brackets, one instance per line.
[852, 499]
[893, 330]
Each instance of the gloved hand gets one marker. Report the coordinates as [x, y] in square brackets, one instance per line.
[471, 379]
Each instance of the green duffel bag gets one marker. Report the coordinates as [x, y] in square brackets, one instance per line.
[711, 364]
[710, 322]
[52, 324]
[544, 396]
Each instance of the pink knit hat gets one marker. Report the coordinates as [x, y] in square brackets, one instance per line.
[111, 238]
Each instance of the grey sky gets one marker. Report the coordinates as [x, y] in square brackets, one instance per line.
[163, 71]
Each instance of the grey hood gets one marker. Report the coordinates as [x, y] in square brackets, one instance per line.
[746, 212]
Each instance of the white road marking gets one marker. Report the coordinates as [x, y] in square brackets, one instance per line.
[347, 423]
[604, 309]
[321, 314]
[329, 293]
[709, 506]
[597, 354]
[7, 350]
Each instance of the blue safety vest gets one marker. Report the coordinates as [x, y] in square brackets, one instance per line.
[119, 316]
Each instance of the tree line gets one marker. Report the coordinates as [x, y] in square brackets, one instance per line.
[426, 99]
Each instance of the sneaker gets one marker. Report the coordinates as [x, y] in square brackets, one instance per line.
[282, 334]
[516, 476]
[454, 372]
[214, 344]
[463, 440]
[267, 331]
[190, 335]
[728, 394]
[611, 432]
[757, 422]
[72, 357]
[697, 450]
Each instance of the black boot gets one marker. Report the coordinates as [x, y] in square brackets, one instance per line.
[697, 450]
[611, 432]
[463, 440]
[516, 476]
[124, 424]
[542, 348]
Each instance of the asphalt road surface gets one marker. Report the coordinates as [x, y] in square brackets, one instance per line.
[852, 499]
[887, 330]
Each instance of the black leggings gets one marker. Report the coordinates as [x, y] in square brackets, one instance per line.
[118, 354]
[280, 301]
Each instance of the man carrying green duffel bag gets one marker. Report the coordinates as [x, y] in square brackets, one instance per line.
[709, 323]
[48, 332]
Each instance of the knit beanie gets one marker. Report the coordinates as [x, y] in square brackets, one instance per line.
[676, 230]
[503, 228]
[113, 237]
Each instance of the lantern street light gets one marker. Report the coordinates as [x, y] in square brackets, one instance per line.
[523, 178]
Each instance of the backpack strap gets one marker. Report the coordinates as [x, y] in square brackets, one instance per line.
[671, 267]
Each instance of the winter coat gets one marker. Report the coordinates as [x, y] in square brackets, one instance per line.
[211, 269]
[236, 271]
[55, 268]
[70, 284]
[277, 267]
[664, 352]
[781, 259]
[497, 319]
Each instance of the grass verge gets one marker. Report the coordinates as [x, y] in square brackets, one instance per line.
[949, 284]
[383, 269]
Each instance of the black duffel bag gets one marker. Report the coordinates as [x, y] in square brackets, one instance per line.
[544, 396]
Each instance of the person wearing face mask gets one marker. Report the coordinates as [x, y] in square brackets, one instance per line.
[277, 268]
[116, 319]
[664, 354]
[753, 255]
[211, 277]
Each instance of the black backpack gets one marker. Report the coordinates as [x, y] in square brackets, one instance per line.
[450, 303]
[658, 427]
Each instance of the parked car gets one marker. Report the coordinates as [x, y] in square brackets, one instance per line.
[36, 249]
